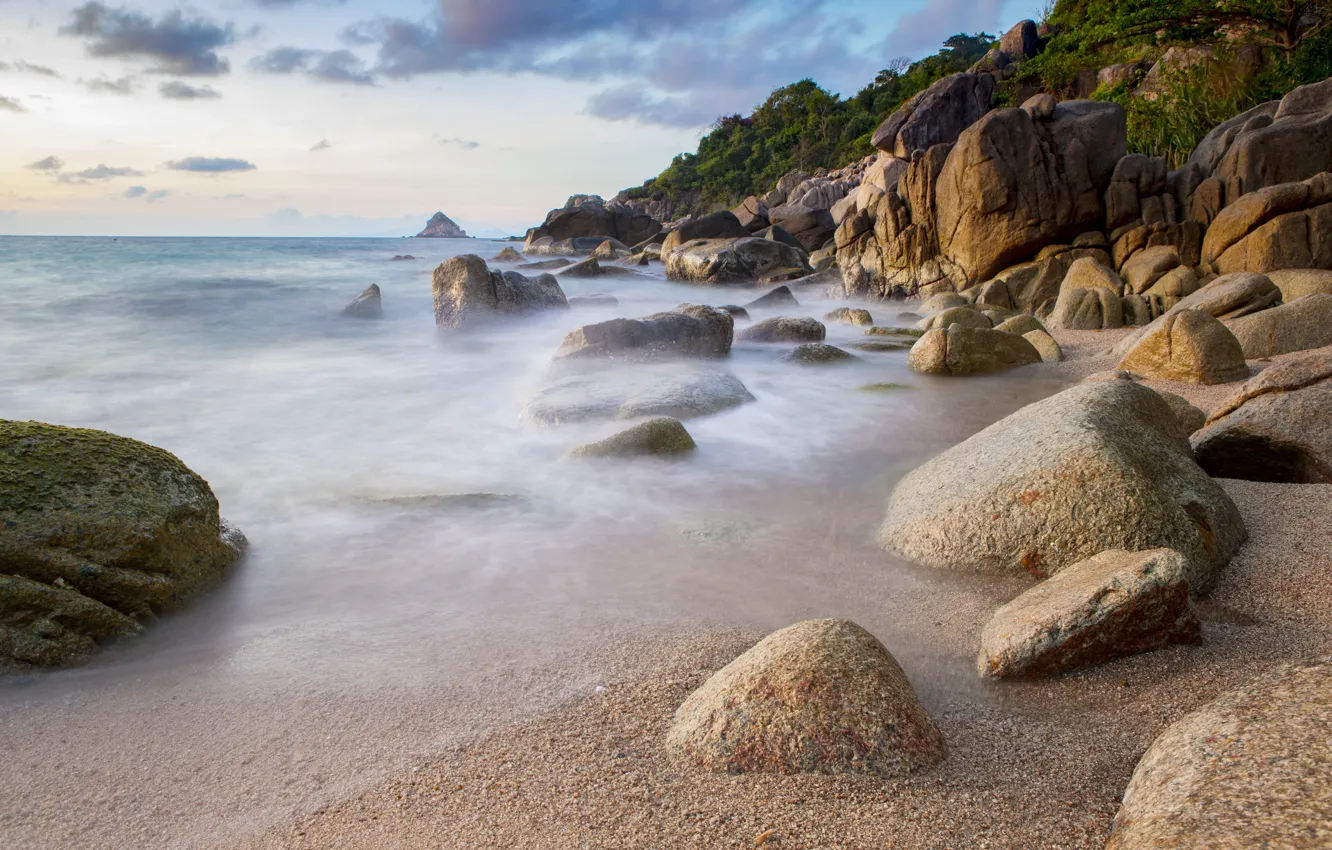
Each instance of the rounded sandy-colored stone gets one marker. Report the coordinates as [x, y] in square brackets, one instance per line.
[821, 696]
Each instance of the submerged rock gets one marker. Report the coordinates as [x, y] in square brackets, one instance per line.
[821, 696]
[367, 305]
[784, 329]
[850, 316]
[817, 353]
[732, 260]
[1102, 465]
[687, 331]
[1111, 605]
[660, 436]
[98, 535]
[635, 392]
[1251, 769]
[467, 293]
[774, 300]
[595, 299]
[508, 255]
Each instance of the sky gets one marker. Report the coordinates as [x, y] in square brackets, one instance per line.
[363, 117]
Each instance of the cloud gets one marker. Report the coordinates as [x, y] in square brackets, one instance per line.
[51, 163]
[99, 173]
[210, 165]
[28, 67]
[632, 102]
[106, 85]
[134, 192]
[323, 145]
[716, 57]
[330, 66]
[175, 44]
[465, 144]
[10, 104]
[177, 90]
[938, 19]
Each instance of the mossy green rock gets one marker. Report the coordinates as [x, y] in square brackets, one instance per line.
[660, 436]
[98, 534]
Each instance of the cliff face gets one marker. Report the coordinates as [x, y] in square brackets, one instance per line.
[441, 226]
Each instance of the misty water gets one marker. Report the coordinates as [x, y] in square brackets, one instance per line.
[408, 530]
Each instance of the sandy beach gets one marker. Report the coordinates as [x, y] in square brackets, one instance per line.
[543, 742]
[1034, 764]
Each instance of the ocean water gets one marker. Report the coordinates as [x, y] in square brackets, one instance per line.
[407, 528]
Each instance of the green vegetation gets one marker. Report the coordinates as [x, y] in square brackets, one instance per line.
[1252, 51]
[802, 126]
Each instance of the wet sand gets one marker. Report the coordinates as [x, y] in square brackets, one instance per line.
[539, 721]
[1031, 764]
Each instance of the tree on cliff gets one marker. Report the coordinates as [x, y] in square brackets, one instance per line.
[1283, 24]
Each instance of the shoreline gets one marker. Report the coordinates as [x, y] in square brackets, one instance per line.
[1028, 760]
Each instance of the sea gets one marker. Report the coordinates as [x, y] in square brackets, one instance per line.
[409, 530]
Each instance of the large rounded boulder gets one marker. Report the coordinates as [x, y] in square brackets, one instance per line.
[1102, 465]
[1278, 427]
[1251, 769]
[467, 293]
[821, 696]
[99, 534]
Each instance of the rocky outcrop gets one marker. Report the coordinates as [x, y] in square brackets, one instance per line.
[1294, 144]
[467, 293]
[1297, 326]
[959, 350]
[719, 225]
[1106, 607]
[783, 329]
[593, 221]
[1086, 309]
[677, 390]
[655, 437]
[967, 317]
[1227, 297]
[1253, 768]
[752, 213]
[1013, 185]
[810, 227]
[733, 260]
[1142, 212]
[1278, 427]
[1297, 283]
[822, 696]
[1188, 346]
[508, 255]
[1022, 41]
[99, 535]
[688, 331]
[1278, 227]
[935, 116]
[441, 226]
[1102, 465]
[367, 305]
